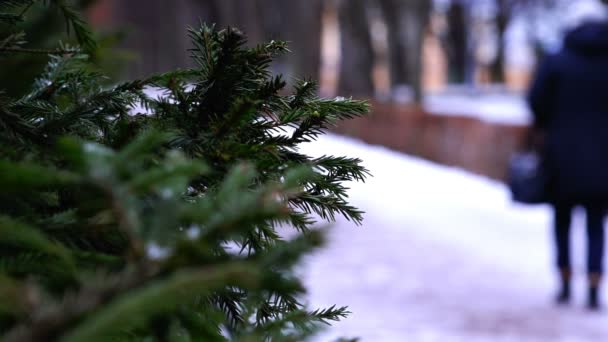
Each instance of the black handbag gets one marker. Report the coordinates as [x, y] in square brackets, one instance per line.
[528, 179]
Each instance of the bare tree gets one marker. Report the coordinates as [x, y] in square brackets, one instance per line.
[160, 43]
[406, 22]
[421, 10]
[503, 18]
[506, 10]
[244, 15]
[396, 14]
[456, 42]
[357, 56]
[299, 23]
[305, 35]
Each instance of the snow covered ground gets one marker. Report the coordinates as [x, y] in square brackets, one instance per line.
[443, 256]
[496, 107]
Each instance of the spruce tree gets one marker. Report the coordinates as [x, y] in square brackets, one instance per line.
[130, 216]
[43, 28]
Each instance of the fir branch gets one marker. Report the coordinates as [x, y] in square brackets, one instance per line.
[16, 128]
[327, 206]
[342, 168]
[50, 321]
[13, 40]
[58, 71]
[11, 4]
[224, 175]
[27, 241]
[26, 8]
[229, 301]
[162, 297]
[9, 18]
[330, 314]
[304, 91]
[74, 22]
[19, 177]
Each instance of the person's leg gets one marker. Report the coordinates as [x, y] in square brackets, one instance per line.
[595, 250]
[561, 221]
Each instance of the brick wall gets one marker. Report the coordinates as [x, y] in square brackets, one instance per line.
[481, 147]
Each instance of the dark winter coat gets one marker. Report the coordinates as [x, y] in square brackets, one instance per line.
[569, 100]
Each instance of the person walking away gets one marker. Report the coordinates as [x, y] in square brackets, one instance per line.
[569, 100]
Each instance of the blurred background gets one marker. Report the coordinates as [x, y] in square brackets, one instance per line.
[445, 77]
[387, 49]
[444, 255]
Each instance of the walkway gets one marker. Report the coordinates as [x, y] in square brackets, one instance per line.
[442, 256]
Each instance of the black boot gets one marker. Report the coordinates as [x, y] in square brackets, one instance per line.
[593, 299]
[563, 296]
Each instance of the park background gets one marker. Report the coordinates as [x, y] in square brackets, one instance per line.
[443, 255]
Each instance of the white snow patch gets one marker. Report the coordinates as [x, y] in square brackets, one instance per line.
[442, 256]
[498, 108]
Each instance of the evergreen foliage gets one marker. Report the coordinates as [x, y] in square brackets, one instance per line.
[126, 216]
[32, 28]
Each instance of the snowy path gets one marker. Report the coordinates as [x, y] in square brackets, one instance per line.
[442, 256]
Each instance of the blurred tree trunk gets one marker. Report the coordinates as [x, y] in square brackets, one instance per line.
[168, 34]
[356, 50]
[396, 13]
[406, 22]
[243, 15]
[190, 14]
[305, 36]
[506, 10]
[456, 43]
[299, 23]
[503, 17]
[419, 18]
